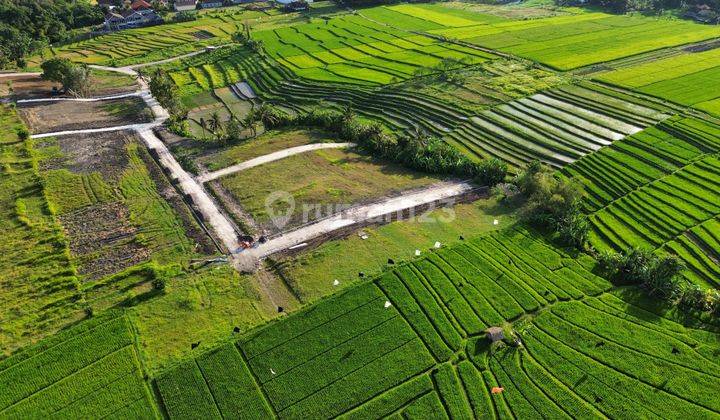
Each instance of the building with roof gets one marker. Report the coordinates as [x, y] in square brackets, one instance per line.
[185, 5]
[131, 18]
[495, 334]
[210, 4]
[140, 5]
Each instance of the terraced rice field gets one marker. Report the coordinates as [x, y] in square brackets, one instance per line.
[658, 189]
[410, 343]
[149, 44]
[689, 79]
[352, 49]
[569, 42]
[556, 126]
[88, 371]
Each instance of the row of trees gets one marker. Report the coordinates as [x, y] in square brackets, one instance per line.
[660, 277]
[28, 26]
[414, 149]
[657, 6]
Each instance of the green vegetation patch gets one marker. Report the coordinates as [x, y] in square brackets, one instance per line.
[319, 179]
[92, 371]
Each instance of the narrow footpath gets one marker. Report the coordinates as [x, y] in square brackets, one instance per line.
[271, 157]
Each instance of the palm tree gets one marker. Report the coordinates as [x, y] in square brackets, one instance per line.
[250, 123]
[214, 122]
[348, 114]
[203, 124]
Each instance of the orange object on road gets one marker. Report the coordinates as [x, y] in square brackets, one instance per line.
[497, 389]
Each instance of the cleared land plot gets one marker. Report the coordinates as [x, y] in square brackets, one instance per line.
[688, 79]
[356, 356]
[659, 190]
[568, 42]
[312, 274]
[52, 116]
[91, 370]
[318, 182]
[557, 126]
[117, 210]
[31, 87]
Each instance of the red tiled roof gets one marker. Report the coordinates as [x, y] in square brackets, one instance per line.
[140, 4]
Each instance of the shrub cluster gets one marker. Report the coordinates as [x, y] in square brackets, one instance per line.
[554, 202]
[659, 277]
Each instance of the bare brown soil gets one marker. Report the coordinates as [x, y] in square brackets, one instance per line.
[103, 239]
[45, 117]
[34, 87]
[105, 153]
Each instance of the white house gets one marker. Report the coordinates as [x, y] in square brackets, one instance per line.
[185, 5]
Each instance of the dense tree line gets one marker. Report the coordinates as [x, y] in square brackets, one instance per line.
[622, 6]
[26, 26]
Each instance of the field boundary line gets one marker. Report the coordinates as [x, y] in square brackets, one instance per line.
[333, 348]
[628, 375]
[659, 331]
[630, 349]
[256, 380]
[562, 384]
[70, 375]
[58, 344]
[424, 311]
[329, 384]
[314, 328]
[452, 318]
[207, 386]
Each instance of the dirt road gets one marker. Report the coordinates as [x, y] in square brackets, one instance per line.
[271, 157]
[248, 259]
[193, 190]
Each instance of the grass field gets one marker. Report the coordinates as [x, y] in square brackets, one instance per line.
[312, 274]
[569, 42]
[39, 280]
[269, 142]
[318, 179]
